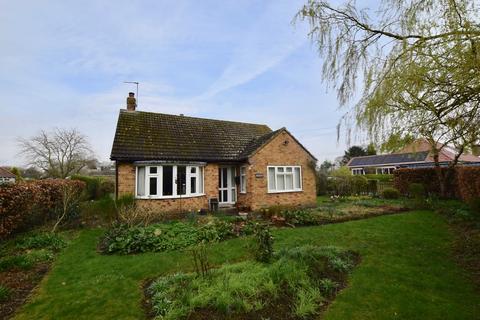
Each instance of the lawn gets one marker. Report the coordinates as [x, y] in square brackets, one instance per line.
[406, 272]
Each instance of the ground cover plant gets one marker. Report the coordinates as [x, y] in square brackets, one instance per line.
[125, 239]
[24, 261]
[297, 284]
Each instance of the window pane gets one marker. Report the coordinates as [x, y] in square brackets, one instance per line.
[288, 169]
[153, 170]
[280, 182]
[225, 195]
[243, 186]
[288, 182]
[280, 169]
[193, 184]
[200, 180]
[193, 170]
[224, 177]
[297, 178]
[242, 170]
[181, 180]
[141, 181]
[167, 182]
[271, 178]
[234, 195]
[153, 186]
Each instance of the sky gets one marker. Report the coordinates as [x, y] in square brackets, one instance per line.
[63, 64]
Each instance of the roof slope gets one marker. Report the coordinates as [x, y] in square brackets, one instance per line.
[156, 136]
[4, 173]
[388, 159]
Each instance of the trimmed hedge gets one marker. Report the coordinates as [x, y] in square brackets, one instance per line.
[97, 188]
[24, 205]
[464, 182]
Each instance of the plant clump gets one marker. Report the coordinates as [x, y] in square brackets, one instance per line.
[295, 285]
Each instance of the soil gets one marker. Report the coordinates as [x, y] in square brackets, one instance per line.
[21, 283]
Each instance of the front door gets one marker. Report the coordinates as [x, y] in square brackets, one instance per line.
[227, 191]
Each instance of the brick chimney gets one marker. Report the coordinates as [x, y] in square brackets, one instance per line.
[131, 102]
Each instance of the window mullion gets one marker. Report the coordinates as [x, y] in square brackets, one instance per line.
[160, 181]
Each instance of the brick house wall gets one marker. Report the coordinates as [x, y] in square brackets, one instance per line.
[279, 153]
[275, 152]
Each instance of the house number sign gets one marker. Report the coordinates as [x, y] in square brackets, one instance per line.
[258, 175]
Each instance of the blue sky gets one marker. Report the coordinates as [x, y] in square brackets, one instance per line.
[63, 64]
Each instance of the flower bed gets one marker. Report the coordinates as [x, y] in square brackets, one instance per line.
[298, 284]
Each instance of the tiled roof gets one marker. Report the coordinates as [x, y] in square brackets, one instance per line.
[155, 136]
[388, 159]
[4, 173]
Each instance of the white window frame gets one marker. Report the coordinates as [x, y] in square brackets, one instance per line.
[284, 173]
[200, 182]
[243, 179]
[385, 170]
[358, 171]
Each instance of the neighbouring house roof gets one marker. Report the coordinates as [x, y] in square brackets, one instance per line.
[4, 173]
[446, 153]
[156, 136]
[388, 159]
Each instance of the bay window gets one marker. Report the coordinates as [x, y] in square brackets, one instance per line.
[169, 181]
[284, 178]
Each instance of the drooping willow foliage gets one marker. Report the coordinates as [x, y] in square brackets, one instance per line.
[417, 64]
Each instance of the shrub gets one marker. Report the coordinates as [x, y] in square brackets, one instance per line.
[27, 204]
[359, 184]
[18, 261]
[41, 241]
[301, 217]
[96, 188]
[328, 287]
[474, 204]
[127, 239]
[390, 193]
[263, 243]
[417, 192]
[4, 293]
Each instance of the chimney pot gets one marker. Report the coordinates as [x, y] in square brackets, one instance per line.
[131, 102]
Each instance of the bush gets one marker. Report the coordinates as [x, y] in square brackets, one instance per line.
[127, 239]
[263, 243]
[41, 241]
[321, 183]
[18, 261]
[96, 188]
[28, 204]
[390, 193]
[299, 217]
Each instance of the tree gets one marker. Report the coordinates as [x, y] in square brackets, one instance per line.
[352, 152]
[327, 166]
[371, 150]
[420, 63]
[59, 154]
[69, 197]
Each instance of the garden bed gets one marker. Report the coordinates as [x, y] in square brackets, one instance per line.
[24, 262]
[298, 284]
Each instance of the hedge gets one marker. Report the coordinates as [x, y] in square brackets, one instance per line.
[97, 188]
[464, 182]
[26, 204]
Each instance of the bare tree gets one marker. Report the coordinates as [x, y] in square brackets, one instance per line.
[59, 153]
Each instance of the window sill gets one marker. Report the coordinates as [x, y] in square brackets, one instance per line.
[284, 191]
[169, 197]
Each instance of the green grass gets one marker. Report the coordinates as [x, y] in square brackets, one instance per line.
[406, 272]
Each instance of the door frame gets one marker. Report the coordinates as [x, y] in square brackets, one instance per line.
[231, 187]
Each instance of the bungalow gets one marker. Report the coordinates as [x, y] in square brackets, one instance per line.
[416, 155]
[6, 176]
[180, 163]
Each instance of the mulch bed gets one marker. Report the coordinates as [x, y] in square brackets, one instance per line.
[21, 283]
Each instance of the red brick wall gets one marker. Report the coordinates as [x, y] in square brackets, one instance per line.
[276, 152]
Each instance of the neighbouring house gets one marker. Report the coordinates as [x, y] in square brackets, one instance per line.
[6, 176]
[180, 163]
[416, 155]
